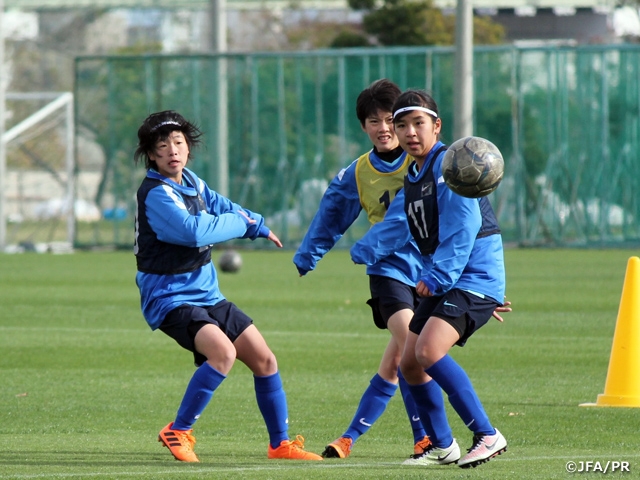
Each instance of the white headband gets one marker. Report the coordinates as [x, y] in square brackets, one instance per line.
[162, 124]
[408, 109]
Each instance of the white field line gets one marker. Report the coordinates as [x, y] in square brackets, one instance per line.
[259, 468]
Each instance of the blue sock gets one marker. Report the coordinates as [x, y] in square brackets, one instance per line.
[272, 403]
[430, 405]
[199, 392]
[463, 398]
[372, 404]
[412, 411]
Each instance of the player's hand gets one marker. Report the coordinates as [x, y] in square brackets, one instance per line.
[423, 290]
[272, 236]
[247, 219]
[505, 308]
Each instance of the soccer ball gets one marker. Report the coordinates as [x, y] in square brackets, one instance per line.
[473, 167]
[230, 261]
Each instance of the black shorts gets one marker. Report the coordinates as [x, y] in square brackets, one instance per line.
[183, 323]
[389, 296]
[464, 311]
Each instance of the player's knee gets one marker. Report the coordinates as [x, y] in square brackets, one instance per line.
[270, 364]
[424, 358]
[411, 371]
[222, 357]
[264, 364]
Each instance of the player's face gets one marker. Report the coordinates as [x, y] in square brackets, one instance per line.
[417, 133]
[171, 155]
[379, 127]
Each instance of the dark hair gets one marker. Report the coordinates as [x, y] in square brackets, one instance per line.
[379, 96]
[414, 98]
[158, 126]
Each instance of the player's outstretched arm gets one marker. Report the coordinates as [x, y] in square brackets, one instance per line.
[247, 218]
[385, 237]
[339, 208]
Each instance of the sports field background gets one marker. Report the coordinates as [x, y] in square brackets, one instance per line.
[86, 386]
[566, 119]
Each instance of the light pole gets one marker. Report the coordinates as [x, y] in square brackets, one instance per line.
[218, 45]
[463, 83]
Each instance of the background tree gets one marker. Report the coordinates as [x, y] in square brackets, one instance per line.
[409, 23]
[350, 38]
[309, 35]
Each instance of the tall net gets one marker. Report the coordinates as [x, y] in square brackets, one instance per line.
[566, 119]
[39, 183]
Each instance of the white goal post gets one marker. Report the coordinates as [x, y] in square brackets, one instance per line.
[20, 131]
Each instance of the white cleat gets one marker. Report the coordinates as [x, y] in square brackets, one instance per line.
[484, 448]
[436, 456]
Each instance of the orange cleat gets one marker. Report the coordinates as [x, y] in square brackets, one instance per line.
[292, 450]
[179, 442]
[340, 448]
[421, 446]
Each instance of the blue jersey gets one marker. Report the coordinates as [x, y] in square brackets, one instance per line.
[459, 237]
[368, 183]
[183, 222]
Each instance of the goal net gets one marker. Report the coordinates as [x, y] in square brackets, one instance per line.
[40, 207]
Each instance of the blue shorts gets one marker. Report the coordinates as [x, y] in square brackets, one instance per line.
[389, 296]
[464, 311]
[183, 323]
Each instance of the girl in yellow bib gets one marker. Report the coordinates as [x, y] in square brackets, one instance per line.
[370, 183]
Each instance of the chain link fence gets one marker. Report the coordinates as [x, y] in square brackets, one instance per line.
[565, 118]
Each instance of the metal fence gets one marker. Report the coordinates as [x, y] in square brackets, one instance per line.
[565, 118]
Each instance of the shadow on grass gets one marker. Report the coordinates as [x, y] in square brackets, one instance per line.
[87, 459]
[98, 459]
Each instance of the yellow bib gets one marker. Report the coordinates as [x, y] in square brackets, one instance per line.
[377, 189]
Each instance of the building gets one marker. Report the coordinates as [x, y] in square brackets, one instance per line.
[258, 24]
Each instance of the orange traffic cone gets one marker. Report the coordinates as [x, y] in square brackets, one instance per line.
[622, 387]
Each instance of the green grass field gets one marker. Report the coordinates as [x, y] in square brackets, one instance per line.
[86, 386]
